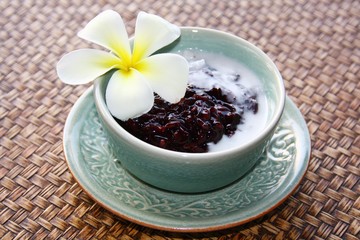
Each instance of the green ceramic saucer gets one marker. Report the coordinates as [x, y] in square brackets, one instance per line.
[266, 186]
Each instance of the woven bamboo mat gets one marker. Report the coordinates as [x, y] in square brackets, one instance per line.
[316, 46]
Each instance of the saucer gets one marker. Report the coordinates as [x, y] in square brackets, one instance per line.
[94, 166]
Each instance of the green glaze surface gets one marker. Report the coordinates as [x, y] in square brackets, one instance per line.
[191, 172]
[95, 167]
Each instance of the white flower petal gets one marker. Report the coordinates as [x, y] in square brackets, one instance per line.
[167, 73]
[152, 33]
[128, 95]
[85, 65]
[108, 30]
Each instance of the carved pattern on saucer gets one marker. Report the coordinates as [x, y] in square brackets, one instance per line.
[257, 184]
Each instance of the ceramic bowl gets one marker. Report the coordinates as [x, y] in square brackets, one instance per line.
[198, 172]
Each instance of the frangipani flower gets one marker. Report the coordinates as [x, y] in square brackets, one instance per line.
[130, 91]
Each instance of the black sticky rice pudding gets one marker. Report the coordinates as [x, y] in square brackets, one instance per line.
[202, 117]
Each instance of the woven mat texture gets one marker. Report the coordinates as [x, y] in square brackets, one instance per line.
[315, 44]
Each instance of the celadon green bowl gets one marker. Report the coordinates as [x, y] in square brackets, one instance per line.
[198, 172]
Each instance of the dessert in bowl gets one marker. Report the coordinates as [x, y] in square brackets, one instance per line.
[214, 167]
[198, 172]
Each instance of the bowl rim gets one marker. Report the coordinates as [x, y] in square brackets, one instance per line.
[207, 156]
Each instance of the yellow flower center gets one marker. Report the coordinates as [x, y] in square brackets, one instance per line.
[124, 65]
